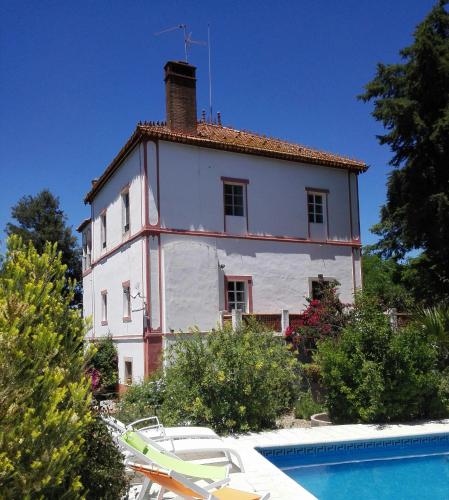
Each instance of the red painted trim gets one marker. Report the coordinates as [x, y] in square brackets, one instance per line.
[358, 204]
[353, 271]
[216, 234]
[158, 186]
[317, 190]
[125, 188]
[145, 182]
[234, 180]
[249, 286]
[350, 206]
[104, 323]
[87, 272]
[125, 284]
[246, 203]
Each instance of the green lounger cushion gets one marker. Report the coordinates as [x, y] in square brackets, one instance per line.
[212, 472]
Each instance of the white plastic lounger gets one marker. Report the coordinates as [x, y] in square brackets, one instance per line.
[156, 431]
[202, 450]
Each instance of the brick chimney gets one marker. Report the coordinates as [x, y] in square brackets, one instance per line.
[180, 96]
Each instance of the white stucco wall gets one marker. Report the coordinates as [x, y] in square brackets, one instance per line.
[194, 282]
[132, 350]
[109, 198]
[109, 274]
[192, 191]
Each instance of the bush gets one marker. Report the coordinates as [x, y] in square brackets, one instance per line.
[142, 400]
[305, 407]
[44, 394]
[232, 381]
[322, 318]
[104, 364]
[102, 471]
[374, 374]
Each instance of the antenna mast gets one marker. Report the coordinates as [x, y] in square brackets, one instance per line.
[187, 38]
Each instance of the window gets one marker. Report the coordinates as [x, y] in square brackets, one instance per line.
[128, 371]
[233, 200]
[87, 242]
[315, 208]
[236, 296]
[104, 307]
[103, 230]
[126, 301]
[125, 211]
[318, 285]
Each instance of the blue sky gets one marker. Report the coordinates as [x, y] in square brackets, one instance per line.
[76, 77]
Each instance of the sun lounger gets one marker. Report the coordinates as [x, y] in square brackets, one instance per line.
[186, 488]
[151, 454]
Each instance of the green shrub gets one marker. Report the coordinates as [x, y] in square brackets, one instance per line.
[102, 471]
[232, 381]
[305, 407]
[44, 393]
[105, 363]
[142, 400]
[374, 374]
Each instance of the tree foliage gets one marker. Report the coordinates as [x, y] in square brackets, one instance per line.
[44, 393]
[383, 278]
[40, 219]
[372, 373]
[231, 380]
[105, 363]
[411, 99]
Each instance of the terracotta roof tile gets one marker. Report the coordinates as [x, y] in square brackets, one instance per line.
[230, 139]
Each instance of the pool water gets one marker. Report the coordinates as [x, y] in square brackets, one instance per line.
[405, 468]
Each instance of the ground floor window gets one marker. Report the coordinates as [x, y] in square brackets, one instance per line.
[128, 371]
[237, 296]
[316, 286]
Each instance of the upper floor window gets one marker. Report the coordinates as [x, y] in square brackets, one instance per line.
[234, 199]
[125, 211]
[126, 301]
[237, 296]
[87, 249]
[315, 207]
[103, 229]
[104, 307]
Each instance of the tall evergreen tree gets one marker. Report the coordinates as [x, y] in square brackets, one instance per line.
[411, 99]
[40, 219]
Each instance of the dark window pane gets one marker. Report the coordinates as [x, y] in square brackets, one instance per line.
[319, 209]
[228, 189]
[228, 210]
[319, 219]
[318, 199]
[239, 285]
[310, 198]
[311, 218]
[238, 190]
[238, 211]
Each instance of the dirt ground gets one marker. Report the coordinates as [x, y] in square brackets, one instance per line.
[289, 421]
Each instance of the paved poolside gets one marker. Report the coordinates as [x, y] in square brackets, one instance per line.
[262, 475]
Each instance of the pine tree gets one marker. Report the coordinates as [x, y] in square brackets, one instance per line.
[44, 393]
[411, 99]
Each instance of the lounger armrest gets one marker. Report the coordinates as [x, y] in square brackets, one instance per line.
[156, 425]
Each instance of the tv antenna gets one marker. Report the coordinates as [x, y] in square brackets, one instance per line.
[188, 41]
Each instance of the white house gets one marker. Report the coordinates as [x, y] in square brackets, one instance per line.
[192, 218]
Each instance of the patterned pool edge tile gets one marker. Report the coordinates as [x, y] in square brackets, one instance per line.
[338, 447]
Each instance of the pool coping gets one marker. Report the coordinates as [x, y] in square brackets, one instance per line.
[262, 475]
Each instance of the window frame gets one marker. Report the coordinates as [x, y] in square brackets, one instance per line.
[103, 230]
[324, 193]
[126, 290]
[316, 279]
[312, 213]
[87, 248]
[232, 181]
[248, 291]
[104, 307]
[127, 377]
[126, 212]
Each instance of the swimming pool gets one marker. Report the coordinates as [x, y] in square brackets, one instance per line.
[377, 469]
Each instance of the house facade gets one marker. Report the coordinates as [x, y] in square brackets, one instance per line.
[192, 219]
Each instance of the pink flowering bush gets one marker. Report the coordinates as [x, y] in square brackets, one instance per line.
[322, 319]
